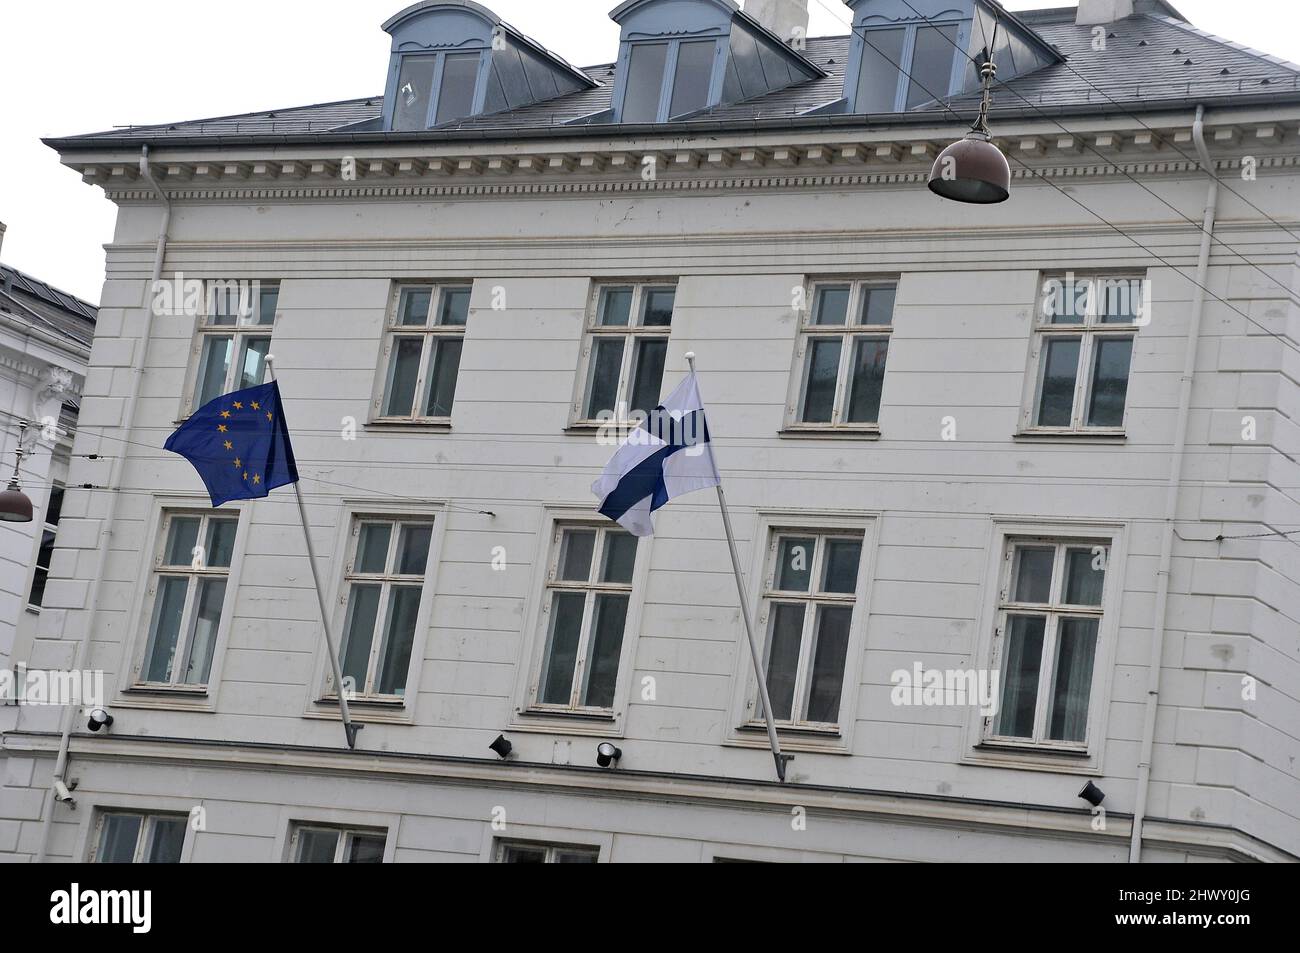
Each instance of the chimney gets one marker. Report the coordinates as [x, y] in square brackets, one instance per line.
[788, 19]
[1102, 11]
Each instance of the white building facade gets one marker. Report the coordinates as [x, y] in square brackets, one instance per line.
[956, 439]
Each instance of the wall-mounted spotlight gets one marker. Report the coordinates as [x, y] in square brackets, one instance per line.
[502, 747]
[99, 718]
[607, 754]
[1092, 794]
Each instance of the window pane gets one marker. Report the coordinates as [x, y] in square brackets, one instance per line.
[168, 837]
[882, 57]
[54, 509]
[456, 97]
[842, 558]
[575, 554]
[869, 359]
[399, 635]
[794, 557]
[657, 307]
[414, 86]
[620, 557]
[1110, 366]
[1033, 576]
[117, 842]
[1072, 681]
[783, 657]
[214, 366]
[267, 303]
[1060, 369]
[182, 537]
[574, 856]
[203, 640]
[413, 309]
[518, 854]
[252, 362]
[220, 546]
[822, 372]
[363, 609]
[168, 607]
[413, 549]
[403, 372]
[1024, 646]
[878, 305]
[606, 364]
[1120, 300]
[224, 300]
[606, 642]
[562, 648]
[372, 547]
[454, 311]
[39, 580]
[832, 305]
[444, 368]
[645, 77]
[1083, 581]
[829, 653]
[615, 307]
[694, 71]
[366, 849]
[648, 376]
[317, 847]
[1067, 301]
[932, 63]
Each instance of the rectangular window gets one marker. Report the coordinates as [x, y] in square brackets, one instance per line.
[627, 342]
[694, 74]
[668, 80]
[313, 844]
[414, 87]
[932, 60]
[53, 509]
[843, 348]
[878, 77]
[130, 838]
[534, 852]
[188, 589]
[808, 601]
[459, 82]
[425, 336]
[1083, 351]
[1049, 622]
[383, 588]
[588, 591]
[234, 338]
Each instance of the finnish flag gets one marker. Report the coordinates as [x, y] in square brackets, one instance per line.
[667, 457]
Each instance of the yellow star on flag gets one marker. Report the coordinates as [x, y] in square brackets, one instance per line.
[229, 445]
[222, 428]
[225, 414]
[238, 406]
[256, 479]
[256, 405]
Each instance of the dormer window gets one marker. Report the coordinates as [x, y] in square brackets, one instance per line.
[907, 53]
[452, 59]
[680, 57]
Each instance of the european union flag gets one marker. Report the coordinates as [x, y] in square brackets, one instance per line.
[239, 443]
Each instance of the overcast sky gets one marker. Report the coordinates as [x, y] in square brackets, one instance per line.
[76, 66]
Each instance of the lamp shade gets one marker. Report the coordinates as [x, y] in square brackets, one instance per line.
[15, 505]
[972, 170]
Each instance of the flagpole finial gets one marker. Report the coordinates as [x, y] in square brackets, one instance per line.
[690, 359]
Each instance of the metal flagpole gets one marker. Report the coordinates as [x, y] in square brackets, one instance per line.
[764, 699]
[348, 727]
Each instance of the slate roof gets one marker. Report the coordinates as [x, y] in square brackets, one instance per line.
[45, 306]
[1151, 61]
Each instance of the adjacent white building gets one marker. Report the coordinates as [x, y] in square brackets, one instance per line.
[1050, 443]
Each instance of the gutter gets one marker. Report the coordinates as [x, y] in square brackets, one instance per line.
[106, 527]
[1171, 492]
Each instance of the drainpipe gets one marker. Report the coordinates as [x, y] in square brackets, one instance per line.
[115, 480]
[1171, 492]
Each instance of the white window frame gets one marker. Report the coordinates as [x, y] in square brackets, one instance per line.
[986, 749]
[605, 723]
[430, 333]
[321, 700]
[521, 833]
[632, 333]
[243, 330]
[292, 815]
[144, 839]
[148, 604]
[1089, 332]
[550, 847]
[849, 334]
[346, 836]
[749, 727]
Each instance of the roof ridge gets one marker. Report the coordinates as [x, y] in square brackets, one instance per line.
[244, 115]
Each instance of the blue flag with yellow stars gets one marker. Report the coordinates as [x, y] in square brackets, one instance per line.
[239, 443]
